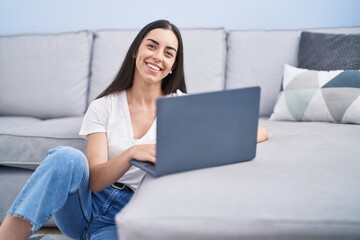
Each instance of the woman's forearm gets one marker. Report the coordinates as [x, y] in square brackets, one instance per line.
[105, 174]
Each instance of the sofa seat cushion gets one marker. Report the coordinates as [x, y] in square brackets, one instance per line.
[24, 141]
[303, 184]
[7, 122]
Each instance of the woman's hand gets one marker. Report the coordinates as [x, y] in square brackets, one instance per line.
[103, 172]
[144, 152]
[262, 134]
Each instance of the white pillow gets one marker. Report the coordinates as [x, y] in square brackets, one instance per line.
[327, 96]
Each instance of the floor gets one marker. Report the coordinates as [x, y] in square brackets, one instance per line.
[49, 233]
[49, 230]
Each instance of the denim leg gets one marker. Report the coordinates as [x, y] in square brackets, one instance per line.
[106, 204]
[106, 233]
[60, 181]
[73, 218]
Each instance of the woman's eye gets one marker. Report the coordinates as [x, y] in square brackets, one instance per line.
[169, 54]
[151, 46]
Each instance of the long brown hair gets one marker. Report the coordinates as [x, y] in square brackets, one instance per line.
[125, 76]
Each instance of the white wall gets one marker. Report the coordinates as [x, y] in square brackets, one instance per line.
[23, 16]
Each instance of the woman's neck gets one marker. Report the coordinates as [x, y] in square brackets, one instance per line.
[143, 95]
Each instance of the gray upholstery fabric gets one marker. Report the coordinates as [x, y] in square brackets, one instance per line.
[28, 143]
[258, 58]
[204, 61]
[36, 70]
[109, 51]
[324, 51]
[303, 184]
[7, 122]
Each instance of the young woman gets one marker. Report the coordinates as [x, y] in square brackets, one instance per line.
[83, 193]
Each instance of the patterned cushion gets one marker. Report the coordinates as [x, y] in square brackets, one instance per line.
[328, 96]
[324, 51]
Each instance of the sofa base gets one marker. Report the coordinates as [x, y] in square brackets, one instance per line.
[17, 177]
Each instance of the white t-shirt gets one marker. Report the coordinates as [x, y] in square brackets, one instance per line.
[110, 114]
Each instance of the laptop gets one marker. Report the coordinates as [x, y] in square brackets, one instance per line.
[204, 130]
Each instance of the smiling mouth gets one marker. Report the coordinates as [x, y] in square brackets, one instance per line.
[153, 67]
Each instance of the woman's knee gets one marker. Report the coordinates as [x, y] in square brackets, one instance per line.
[68, 163]
[66, 158]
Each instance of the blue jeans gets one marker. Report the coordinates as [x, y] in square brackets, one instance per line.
[60, 188]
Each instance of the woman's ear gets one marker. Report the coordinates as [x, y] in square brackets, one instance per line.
[173, 66]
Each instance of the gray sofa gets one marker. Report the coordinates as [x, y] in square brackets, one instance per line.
[303, 183]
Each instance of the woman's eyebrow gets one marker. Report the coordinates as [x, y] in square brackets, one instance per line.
[157, 43]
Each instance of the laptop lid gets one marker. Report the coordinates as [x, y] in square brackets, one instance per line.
[205, 130]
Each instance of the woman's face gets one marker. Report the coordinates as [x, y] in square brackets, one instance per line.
[156, 55]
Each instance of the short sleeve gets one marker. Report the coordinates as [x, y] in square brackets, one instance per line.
[96, 117]
[178, 93]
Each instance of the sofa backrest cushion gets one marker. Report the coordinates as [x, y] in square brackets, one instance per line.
[110, 48]
[204, 58]
[44, 76]
[258, 58]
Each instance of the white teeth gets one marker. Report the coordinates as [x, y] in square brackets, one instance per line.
[153, 67]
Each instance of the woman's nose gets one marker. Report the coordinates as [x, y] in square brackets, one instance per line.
[157, 56]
